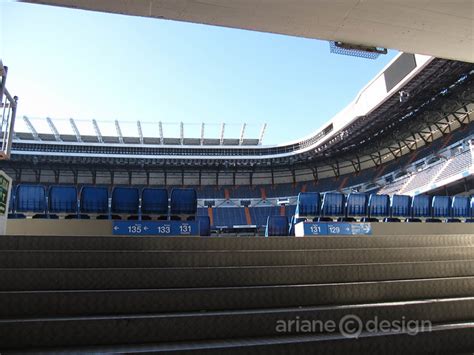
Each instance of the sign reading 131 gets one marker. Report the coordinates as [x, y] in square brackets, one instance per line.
[185, 229]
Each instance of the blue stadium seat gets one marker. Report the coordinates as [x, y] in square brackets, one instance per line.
[125, 200]
[11, 206]
[154, 202]
[276, 226]
[94, 200]
[440, 208]
[460, 208]
[420, 208]
[332, 206]
[62, 199]
[31, 198]
[183, 202]
[204, 223]
[294, 220]
[400, 206]
[378, 206]
[356, 206]
[471, 219]
[308, 204]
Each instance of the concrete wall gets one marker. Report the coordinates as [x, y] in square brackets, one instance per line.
[104, 228]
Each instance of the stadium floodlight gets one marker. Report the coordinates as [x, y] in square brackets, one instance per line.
[356, 50]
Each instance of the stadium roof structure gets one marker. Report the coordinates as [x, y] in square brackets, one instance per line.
[442, 29]
[414, 100]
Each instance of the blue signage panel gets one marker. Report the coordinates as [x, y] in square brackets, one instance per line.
[165, 228]
[335, 228]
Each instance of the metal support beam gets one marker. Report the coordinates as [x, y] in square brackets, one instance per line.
[53, 129]
[242, 132]
[181, 133]
[140, 133]
[97, 131]
[262, 132]
[119, 131]
[222, 134]
[31, 128]
[75, 130]
[160, 128]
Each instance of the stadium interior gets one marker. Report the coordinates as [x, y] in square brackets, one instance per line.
[124, 240]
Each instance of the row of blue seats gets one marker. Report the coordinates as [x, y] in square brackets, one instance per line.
[95, 200]
[372, 208]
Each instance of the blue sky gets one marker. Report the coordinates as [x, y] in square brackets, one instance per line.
[70, 63]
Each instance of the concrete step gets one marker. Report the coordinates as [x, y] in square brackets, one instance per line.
[145, 278]
[454, 338]
[272, 323]
[183, 258]
[229, 243]
[141, 301]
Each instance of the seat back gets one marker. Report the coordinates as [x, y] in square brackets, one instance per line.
[400, 206]
[183, 201]
[125, 200]
[333, 204]
[441, 206]
[421, 206]
[356, 205]
[94, 199]
[62, 199]
[308, 204]
[30, 198]
[204, 223]
[276, 226]
[379, 205]
[460, 207]
[154, 201]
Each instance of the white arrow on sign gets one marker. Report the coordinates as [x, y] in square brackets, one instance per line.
[145, 228]
[116, 228]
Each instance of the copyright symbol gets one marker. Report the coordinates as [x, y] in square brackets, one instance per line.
[350, 326]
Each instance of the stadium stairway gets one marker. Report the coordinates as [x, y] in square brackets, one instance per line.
[210, 295]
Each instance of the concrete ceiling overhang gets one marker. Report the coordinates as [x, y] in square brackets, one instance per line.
[441, 28]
